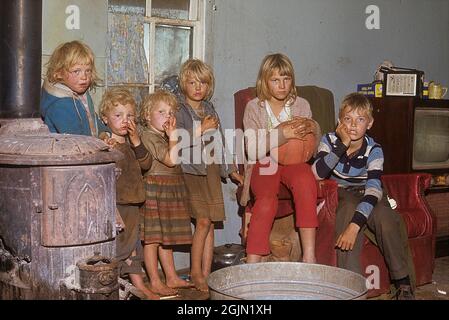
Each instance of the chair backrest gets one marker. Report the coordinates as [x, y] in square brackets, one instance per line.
[321, 102]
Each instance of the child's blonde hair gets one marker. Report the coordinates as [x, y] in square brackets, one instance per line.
[200, 71]
[67, 55]
[151, 101]
[112, 97]
[358, 102]
[269, 65]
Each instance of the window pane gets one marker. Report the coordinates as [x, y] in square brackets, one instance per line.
[127, 6]
[172, 9]
[173, 47]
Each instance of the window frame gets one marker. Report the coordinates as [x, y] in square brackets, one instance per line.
[197, 23]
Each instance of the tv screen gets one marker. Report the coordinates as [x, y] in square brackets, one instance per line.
[431, 138]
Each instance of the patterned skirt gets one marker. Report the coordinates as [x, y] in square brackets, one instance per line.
[165, 216]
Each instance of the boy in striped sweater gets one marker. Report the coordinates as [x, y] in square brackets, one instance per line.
[355, 161]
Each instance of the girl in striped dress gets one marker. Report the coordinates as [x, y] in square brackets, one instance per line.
[165, 217]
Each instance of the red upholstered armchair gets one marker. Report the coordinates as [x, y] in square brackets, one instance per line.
[407, 189]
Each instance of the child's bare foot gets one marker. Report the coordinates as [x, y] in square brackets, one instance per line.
[162, 290]
[178, 283]
[200, 283]
[143, 290]
[150, 295]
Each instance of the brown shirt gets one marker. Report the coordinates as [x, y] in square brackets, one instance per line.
[130, 186]
[157, 145]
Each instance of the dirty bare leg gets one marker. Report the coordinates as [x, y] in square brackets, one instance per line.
[172, 280]
[253, 258]
[202, 228]
[208, 252]
[308, 244]
[137, 281]
[151, 264]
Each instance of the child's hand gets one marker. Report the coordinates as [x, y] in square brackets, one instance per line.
[346, 240]
[119, 224]
[111, 142]
[170, 128]
[343, 133]
[244, 230]
[209, 122]
[304, 126]
[132, 133]
[294, 129]
[236, 177]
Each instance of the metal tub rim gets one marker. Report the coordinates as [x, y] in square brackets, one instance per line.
[225, 283]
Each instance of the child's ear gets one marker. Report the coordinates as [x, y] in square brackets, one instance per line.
[370, 124]
[105, 120]
[58, 75]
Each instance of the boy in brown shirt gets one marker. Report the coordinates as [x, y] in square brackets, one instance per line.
[118, 111]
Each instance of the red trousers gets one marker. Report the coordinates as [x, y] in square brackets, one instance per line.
[300, 180]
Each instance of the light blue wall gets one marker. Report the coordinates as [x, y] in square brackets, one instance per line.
[92, 31]
[329, 45]
[326, 40]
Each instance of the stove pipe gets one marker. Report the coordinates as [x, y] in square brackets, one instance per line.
[20, 63]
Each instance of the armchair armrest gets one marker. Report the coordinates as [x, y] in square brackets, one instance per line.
[408, 191]
[402, 186]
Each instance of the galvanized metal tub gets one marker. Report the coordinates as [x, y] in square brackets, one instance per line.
[285, 281]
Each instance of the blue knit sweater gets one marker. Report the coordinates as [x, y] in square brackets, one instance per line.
[363, 169]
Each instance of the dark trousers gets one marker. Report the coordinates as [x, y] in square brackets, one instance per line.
[128, 240]
[389, 232]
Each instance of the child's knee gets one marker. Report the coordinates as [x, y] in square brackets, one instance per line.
[266, 208]
[203, 223]
[266, 201]
[387, 220]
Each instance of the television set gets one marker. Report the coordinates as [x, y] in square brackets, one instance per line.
[414, 135]
[431, 139]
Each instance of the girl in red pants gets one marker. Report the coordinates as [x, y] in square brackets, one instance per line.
[281, 116]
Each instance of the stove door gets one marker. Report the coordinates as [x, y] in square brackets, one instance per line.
[79, 205]
[16, 206]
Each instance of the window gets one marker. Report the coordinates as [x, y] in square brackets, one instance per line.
[148, 40]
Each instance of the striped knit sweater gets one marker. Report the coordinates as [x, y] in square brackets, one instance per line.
[363, 169]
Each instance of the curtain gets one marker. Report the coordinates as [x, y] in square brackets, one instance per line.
[126, 59]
